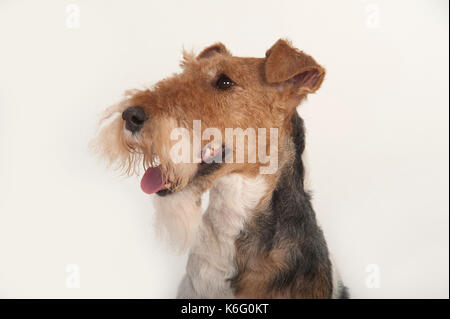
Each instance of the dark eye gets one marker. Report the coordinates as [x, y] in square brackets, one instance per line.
[224, 82]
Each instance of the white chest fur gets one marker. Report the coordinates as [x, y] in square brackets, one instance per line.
[212, 255]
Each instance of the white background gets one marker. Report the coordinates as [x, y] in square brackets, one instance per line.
[377, 136]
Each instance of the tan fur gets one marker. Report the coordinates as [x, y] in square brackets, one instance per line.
[175, 102]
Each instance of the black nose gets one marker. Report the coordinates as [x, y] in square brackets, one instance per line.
[134, 117]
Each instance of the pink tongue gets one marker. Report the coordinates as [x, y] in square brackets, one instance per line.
[152, 180]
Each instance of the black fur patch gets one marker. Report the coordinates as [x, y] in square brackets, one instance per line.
[205, 169]
[164, 192]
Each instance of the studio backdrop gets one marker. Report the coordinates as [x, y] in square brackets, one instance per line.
[376, 138]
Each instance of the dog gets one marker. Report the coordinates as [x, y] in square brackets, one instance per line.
[258, 237]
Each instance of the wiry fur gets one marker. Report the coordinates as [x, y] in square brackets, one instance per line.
[117, 146]
[259, 236]
[178, 217]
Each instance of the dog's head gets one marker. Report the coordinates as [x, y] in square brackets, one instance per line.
[180, 129]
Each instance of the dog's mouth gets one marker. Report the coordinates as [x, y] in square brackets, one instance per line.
[154, 181]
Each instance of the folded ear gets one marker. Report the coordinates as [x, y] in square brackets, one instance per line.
[212, 50]
[285, 64]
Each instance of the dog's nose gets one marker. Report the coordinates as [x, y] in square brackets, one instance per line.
[134, 117]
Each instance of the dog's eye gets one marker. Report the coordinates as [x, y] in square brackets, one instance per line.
[224, 82]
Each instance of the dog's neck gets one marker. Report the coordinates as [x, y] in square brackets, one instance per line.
[237, 197]
[284, 239]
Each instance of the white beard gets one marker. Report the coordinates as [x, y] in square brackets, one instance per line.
[178, 217]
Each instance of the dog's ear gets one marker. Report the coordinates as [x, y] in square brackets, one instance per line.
[212, 50]
[286, 64]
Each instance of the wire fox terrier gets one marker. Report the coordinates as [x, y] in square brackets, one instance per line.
[259, 237]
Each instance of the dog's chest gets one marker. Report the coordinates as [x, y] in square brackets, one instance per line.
[212, 258]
